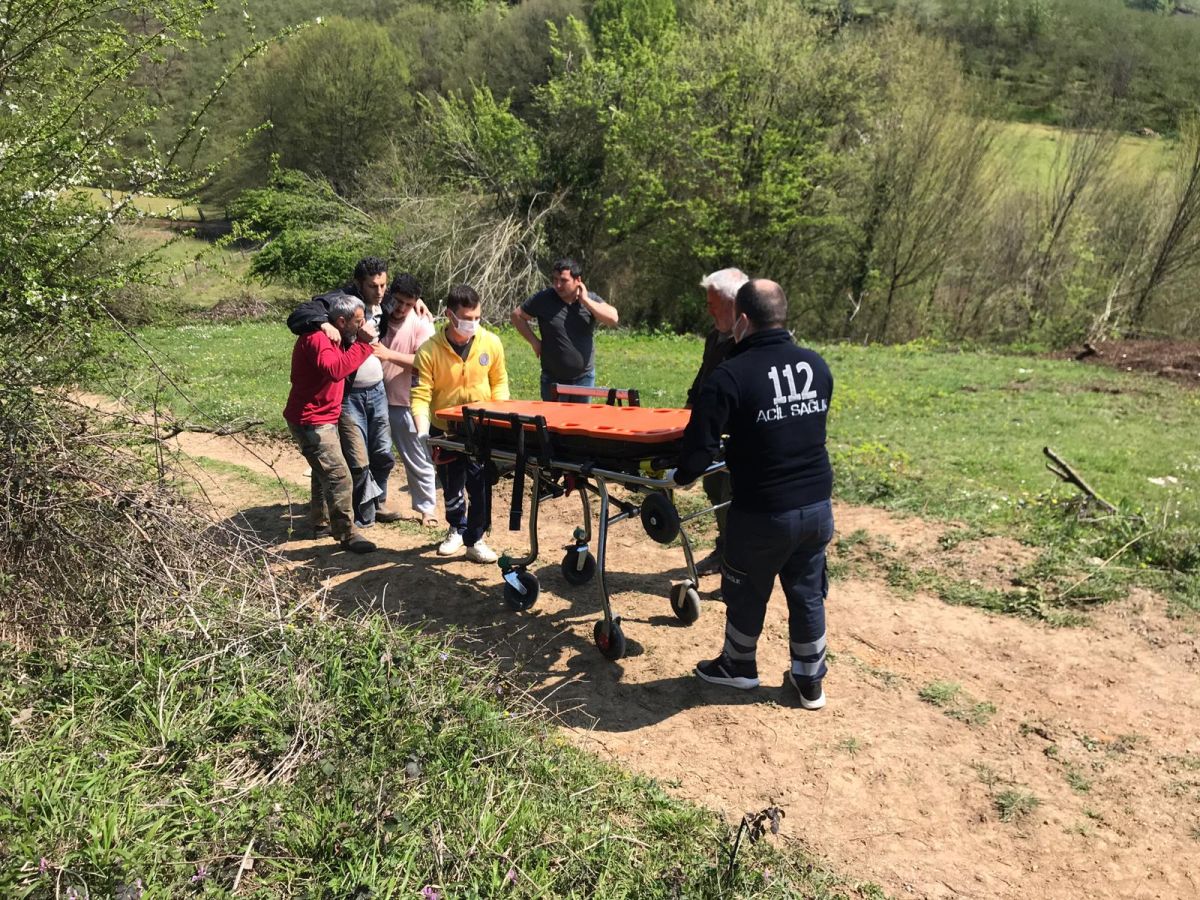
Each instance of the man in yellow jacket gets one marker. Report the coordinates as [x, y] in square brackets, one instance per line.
[462, 363]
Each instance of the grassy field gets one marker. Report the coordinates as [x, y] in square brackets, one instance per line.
[161, 207]
[953, 436]
[329, 759]
[194, 275]
[967, 427]
[1032, 151]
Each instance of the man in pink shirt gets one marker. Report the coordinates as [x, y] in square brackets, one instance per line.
[319, 370]
[405, 329]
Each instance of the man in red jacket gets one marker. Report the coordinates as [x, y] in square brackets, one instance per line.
[319, 370]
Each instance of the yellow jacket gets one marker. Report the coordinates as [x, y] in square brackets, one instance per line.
[445, 379]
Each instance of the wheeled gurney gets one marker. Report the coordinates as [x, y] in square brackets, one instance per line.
[585, 448]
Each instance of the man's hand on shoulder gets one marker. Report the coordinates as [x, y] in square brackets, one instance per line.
[332, 333]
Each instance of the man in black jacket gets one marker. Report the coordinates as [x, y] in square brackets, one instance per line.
[771, 398]
[720, 289]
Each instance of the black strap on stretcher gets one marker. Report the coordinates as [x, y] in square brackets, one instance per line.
[614, 397]
[477, 440]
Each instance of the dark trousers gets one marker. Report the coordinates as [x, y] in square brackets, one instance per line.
[467, 495]
[587, 379]
[332, 485]
[791, 546]
[719, 489]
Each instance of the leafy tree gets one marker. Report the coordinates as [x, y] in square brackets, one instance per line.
[69, 112]
[510, 50]
[332, 95]
[711, 151]
[310, 237]
[639, 20]
[480, 144]
[927, 189]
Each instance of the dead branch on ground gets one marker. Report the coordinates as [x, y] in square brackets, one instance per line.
[1069, 475]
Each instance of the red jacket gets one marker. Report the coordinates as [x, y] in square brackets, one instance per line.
[319, 369]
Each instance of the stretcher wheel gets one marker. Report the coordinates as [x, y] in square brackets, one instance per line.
[518, 601]
[660, 518]
[685, 602]
[610, 640]
[572, 571]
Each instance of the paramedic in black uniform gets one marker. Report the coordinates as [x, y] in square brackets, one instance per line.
[771, 397]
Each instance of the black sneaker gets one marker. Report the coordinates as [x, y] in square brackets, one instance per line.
[710, 565]
[320, 531]
[812, 696]
[358, 545]
[723, 670]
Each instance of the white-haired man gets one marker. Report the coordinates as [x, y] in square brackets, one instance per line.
[721, 288]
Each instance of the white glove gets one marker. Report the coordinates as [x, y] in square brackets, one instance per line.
[422, 426]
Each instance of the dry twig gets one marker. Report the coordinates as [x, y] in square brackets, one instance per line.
[1069, 475]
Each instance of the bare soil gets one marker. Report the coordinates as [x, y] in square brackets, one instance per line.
[1101, 724]
[1177, 360]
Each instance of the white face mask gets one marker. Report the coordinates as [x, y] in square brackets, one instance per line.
[466, 327]
[737, 338]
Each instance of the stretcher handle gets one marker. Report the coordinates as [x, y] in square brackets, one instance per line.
[611, 396]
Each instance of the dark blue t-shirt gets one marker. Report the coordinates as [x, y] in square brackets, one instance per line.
[566, 330]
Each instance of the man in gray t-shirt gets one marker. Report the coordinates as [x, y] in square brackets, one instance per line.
[566, 315]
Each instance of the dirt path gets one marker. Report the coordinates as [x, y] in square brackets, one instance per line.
[1101, 724]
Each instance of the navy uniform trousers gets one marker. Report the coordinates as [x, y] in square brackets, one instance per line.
[789, 545]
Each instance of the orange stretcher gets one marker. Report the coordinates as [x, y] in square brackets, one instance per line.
[583, 448]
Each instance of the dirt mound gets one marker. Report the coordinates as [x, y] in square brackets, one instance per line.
[1176, 360]
[239, 309]
[962, 754]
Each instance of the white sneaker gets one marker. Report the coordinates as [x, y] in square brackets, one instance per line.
[481, 553]
[451, 545]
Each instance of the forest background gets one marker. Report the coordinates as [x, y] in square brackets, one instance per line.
[869, 157]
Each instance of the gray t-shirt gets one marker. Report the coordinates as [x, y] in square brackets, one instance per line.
[566, 331]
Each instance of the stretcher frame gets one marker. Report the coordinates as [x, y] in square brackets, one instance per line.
[656, 511]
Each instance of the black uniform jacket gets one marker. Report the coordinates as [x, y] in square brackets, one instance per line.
[771, 397]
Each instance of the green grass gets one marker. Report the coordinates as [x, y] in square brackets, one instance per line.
[161, 207]
[340, 757]
[1015, 804]
[1076, 779]
[949, 435]
[197, 275]
[1032, 150]
[957, 703]
[954, 435]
